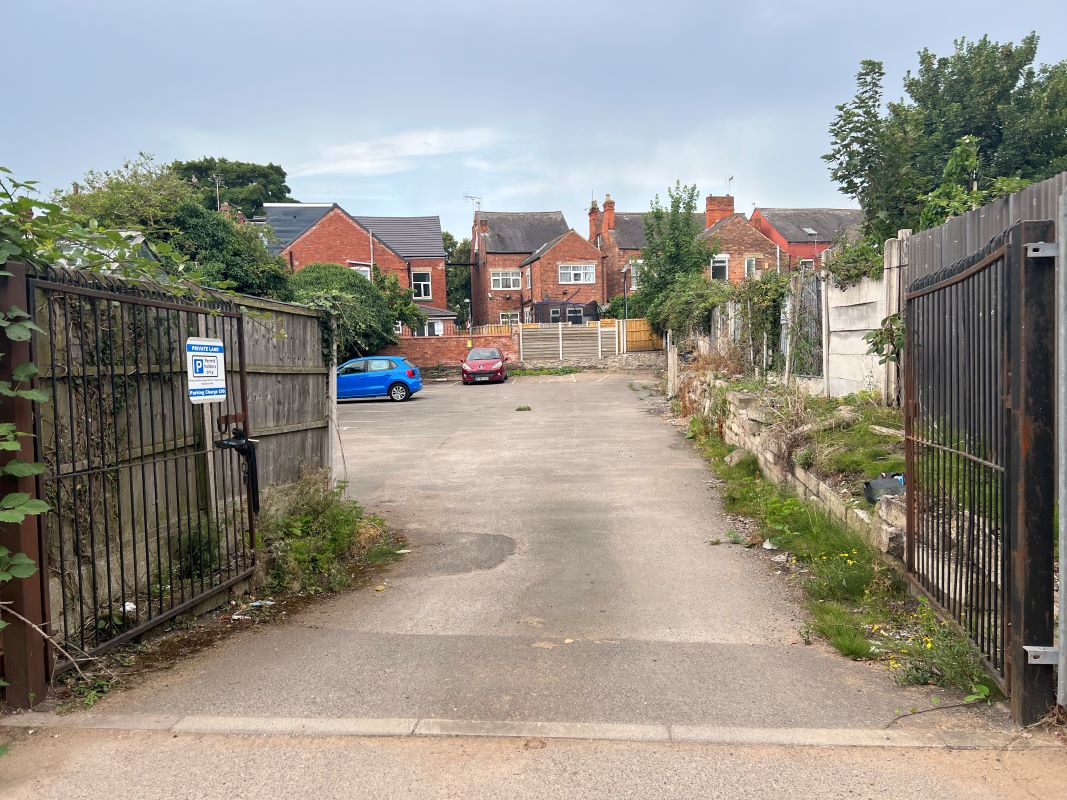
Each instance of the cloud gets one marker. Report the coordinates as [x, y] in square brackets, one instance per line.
[400, 152]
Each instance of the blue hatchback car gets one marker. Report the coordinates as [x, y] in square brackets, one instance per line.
[378, 376]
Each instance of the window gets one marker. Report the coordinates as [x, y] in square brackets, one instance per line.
[505, 279]
[720, 268]
[750, 266]
[380, 365]
[527, 315]
[635, 269]
[420, 285]
[807, 263]
[398, 327]
[598, 241]
[432, 327]
[509, 317]
[553, 315]
[529, 278]
[356, 368]
[577, 273]
[574, 315]
[362, 267]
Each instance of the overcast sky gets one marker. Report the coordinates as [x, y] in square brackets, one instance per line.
[404, 107]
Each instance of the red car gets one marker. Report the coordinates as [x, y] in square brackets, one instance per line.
[484, 364]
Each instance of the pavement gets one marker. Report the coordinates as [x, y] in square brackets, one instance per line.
[561, 628]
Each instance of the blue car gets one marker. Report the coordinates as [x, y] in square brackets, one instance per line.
[378, 376]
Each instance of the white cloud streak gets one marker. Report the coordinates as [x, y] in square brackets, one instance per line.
[401, 152]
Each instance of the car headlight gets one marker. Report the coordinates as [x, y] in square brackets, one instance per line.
[465, 367]
[497, 365]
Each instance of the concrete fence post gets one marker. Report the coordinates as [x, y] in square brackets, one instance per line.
[560, 341]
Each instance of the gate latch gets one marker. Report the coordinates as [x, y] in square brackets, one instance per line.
[246, 449]
[1038, 654]
[1041, 250]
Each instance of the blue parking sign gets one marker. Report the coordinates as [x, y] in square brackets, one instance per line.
[205, 367]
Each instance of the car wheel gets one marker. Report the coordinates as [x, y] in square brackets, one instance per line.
[399, 392]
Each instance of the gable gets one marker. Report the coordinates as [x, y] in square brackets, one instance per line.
[735, 232]
[290, 221]
[573, 240]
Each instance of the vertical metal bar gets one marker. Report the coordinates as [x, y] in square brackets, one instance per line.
[57, 484]
[25, 652]
[143, 377]
[248, 430]
[90, 469]
[1061, 439]
[75, 440]
[1031, 479]
[156, 501]
[102, 471]
[187, 549]
[127, 376]
[910, 321]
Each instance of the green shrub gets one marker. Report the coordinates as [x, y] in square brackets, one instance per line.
[313, 535]
[197, 553]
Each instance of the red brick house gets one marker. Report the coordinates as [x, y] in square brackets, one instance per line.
[563, 281]
[803, 233]
[409, 247]
[620, 236]
[500, 243]
[741, 251]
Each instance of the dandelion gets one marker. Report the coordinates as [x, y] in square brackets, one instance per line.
[851, 562]
[843, 555]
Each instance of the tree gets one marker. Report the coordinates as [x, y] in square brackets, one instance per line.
[365, 322]
[243, 184]
[229, 254]
[671, 252]
[140, 195]
[457, 278]
[890, 159]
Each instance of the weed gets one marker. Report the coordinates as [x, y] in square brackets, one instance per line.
[523, 408]
[804, 457]
[4, 750]
[87, 693]
[314, 536]
[841, 628]
[197, 553]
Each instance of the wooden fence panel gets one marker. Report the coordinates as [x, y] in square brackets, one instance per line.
[640, 336]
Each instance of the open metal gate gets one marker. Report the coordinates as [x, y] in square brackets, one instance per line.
[152, 495]
[979, 449]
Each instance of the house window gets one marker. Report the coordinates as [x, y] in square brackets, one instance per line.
[635, 269]
[553, 315]
[432, 327]
[529, 278]
[509, 317]
[577, 273]
[527, 315]
[750, 266]
[420, 285]
[506, 279]
[398, 327]
[574, 315]
[807, 263]
[720, 268]
[362, 267]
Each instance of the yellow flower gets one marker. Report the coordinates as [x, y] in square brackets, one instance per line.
[851, 562]
[843, 555]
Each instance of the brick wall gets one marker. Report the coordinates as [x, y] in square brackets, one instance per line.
[487, 310]
[739, 240]
[433, 351]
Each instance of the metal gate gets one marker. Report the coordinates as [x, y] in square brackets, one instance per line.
[979, 436]
[152, 502]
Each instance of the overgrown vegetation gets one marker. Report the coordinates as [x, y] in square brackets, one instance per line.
[852, 261]
[315, 539]
[858, 603]
[535, 371]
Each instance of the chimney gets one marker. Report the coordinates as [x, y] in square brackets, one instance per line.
[483, 225]
[609, 213]
[717, 208]
[594, 221]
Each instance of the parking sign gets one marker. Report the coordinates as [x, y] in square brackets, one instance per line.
[205, 366]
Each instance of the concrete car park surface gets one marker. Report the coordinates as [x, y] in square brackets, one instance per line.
[560, 593]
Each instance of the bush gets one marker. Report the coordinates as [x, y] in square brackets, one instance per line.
[313, 536]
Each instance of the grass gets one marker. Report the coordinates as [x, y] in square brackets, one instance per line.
[535, 371]
[523, 408]
[315, 539]
[858, 602]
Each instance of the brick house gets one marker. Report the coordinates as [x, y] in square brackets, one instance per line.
[563, 281]
[741, 251]
[803, 233]
[620, 236]
[500, 242]
[409, 247]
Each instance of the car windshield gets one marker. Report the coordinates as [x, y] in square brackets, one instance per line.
[483, 354]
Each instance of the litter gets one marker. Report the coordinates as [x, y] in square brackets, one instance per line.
[769, 545]
[260, 603]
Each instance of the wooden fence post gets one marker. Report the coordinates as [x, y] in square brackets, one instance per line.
[26, 656]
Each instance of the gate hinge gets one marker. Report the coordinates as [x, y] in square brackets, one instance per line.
[1037, 654]
[1041, 250]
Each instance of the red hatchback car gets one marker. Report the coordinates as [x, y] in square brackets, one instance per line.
[484, 364]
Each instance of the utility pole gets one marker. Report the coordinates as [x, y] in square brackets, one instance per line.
[218, 183]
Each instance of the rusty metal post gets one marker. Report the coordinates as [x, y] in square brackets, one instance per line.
[1030, 480]
[25, 651]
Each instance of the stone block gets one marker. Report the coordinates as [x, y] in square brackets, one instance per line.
[894, 510]
[833, 502]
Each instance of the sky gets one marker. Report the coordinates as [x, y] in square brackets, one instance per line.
[406, 107]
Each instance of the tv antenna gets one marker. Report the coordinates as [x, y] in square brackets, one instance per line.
[476, 202]
[729, 183]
